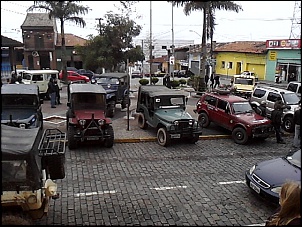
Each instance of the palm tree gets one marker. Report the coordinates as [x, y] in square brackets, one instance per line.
[208, 8]
[64, 11]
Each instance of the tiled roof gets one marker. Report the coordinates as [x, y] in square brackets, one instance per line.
[38, 20]
[8, 42]
[159, 59]
[257, 47]
[71, 40]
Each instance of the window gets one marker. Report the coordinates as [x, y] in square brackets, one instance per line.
[223, 64]
[272, 97]
[221, 104]
[37, 77]
[39, 41]
[230, 66]
[210, 100]
[259, 93]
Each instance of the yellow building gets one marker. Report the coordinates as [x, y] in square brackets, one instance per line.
[236, 57]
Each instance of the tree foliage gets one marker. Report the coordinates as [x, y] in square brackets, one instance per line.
[63, 11]
[114, 45]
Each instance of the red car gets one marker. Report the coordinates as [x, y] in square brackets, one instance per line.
[74, 76]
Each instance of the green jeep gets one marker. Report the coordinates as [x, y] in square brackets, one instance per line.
[165, 109]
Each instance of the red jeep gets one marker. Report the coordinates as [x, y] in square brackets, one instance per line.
[233, 113]
[86, 118]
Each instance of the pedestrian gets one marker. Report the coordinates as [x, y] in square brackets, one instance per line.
[57, 92]
[217, 81]
[288, 212]
[212, 81]
[261, 109]
[206, 80]
[276, 118]
[13, 79]
[19, 80]
[297, 137]
[52, 92]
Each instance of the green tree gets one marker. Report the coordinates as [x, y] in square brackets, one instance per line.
[208, 8]
[63, 11]
[114, 45]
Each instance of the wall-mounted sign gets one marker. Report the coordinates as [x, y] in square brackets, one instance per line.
[273, 56]
[283, 44]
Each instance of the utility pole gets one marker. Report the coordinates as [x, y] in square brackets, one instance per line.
[173, 55]
[100, 24]
[150, 42]
[143, 59]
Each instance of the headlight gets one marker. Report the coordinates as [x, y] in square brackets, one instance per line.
[176, 122]
[33, 120]
[82, 122]
[252, 169]
[191, 122]
[276, 189]
[101, 122]
[32, 199]
[109, 86]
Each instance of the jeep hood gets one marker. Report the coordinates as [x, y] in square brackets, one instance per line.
[172, 114]
[253, 118]
[87, 114]
[18, 114]
[244, 87]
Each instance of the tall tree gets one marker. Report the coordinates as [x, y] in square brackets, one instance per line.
[208, 8]
[63, 11]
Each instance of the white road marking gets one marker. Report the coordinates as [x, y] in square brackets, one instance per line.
[232, 182]
[261, 224]
[94, 193]
[168, 188]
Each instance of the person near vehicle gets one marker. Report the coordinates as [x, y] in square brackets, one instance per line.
[19, 80]
[217, 81]
[261, 109]
[288, 213]
[297, 137]
[206, 80]
[276, 118]
[57, 92]
[52, 92]
[13, 80]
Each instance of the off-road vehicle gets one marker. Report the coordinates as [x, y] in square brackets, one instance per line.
[117, 88]
[244, 85]
[86, 115]
[233, 113]
[21, 106]
[269, 95]
[165, 110]
[31, 161]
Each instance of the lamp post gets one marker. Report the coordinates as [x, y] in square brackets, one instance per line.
[173, 49]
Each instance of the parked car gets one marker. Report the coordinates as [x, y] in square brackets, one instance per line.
[294, 86]
[136, 74]
[71, 69]
[269, 95]
[86, 115]
[244, 84]
[266, 178]
[116, 86]
[164, 109]
[21, 106]
[86, 72]
[74, 76]
[233, 113]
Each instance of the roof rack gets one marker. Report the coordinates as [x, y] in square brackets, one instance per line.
[221, 91]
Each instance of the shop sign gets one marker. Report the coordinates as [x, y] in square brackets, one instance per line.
[273, 56]
[284, 44]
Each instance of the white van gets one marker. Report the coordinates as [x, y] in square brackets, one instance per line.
[41, 78]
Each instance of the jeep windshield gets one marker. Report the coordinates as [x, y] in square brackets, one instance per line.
[242, 107]
[291, 98]
[16, 100]
[169, 102]
[246, 81]
[106, 80]
[88, 101]
[14, 170]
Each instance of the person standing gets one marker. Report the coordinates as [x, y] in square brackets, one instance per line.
[206, 80]
[217, 81]
[212, 81]
[261, 109]
[288, 213]
[57, 92]
[52, 92]
[297, 137]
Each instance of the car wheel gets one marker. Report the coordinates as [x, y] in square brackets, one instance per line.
[239, 135]
[203, 120]
[55, 166]
[72, 142]
[109, 140]
[194, 139]
[163, 137]
[141, 121]
[288, 124]
[111, 109]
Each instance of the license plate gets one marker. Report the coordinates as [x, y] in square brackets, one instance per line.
[92, 138]
[175, 136]
[254, 187]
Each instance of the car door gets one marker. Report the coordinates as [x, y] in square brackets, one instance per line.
[221, 114]
[211, 107]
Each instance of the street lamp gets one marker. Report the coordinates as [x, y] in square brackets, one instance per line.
[195, 32]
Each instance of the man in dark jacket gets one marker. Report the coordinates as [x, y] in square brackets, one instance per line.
[52, 92]
[297, 137]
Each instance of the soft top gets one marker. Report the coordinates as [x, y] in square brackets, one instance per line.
[20, 89]
[160, 90]
[86, 88]
[115, 75]
[17, 141]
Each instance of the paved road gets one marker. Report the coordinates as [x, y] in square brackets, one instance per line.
[146, 184]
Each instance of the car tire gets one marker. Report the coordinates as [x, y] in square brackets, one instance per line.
[72, 142]
[111, 109]
[163, 137]
[288, 124]
[203, 120]
[240, 136]
[141, 121]
[110, 140]
[194, 139]
[55, 166]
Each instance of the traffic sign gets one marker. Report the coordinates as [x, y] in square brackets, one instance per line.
[172, 60]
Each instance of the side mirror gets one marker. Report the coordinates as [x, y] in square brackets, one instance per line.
[288, 107]
[93, 81]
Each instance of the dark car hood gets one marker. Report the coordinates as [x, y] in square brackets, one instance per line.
[277, 171]
[253, 118]
[18, 114]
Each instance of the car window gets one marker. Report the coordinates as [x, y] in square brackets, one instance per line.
[221, 104]
[259, 93]
[210, 100]
[292, 87]
[243, 81]
[38, 77]
[242, 107]
[291, 99]
[272, 97]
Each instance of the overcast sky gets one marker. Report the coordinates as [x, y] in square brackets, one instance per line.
[259, 20]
